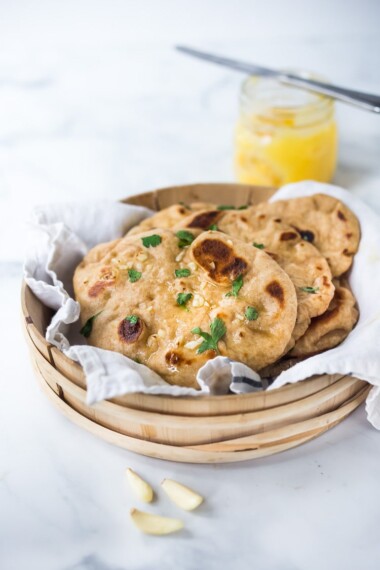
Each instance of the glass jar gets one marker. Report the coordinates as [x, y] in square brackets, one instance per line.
[284, 134]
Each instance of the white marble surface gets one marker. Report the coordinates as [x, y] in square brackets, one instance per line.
[94, 102]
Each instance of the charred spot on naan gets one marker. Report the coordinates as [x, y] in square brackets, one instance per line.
[307, 235]
[99, 287]
[204, 220]
[341, 216]
[175, 358]
[276, 291]
[219, 260]
[107, 278]
[287, 236]
[130, 329]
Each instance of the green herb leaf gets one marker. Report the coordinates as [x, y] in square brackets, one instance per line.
[182, 272]
[86, 330]
[198, 330]
[213, 227]
[184, 205]
[312, 290]
[183, 298]
[228, 207]
[258, 245]
[251, 314]
[134, 275]
[185, 238]
[223, 207]
[133, 319]
[210, 342]
[151, 241]
[237, 284]
[217, 329]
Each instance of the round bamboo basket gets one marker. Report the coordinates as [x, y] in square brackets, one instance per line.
[207, 429]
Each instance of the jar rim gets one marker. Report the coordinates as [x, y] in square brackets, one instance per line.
[313, 104]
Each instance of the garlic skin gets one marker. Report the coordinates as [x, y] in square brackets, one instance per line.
[155, 524]
[182, 496]
[198, 300]
[194, 343]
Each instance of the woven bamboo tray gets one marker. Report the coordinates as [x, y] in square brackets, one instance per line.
[207, 429]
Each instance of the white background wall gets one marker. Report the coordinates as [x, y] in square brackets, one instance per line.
[95, 102]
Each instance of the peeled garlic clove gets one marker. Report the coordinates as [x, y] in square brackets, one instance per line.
[182, 496]
[141, 488]
[155, 524]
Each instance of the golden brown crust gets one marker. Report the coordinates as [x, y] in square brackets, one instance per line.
[304, 264]
[168, 217]
[332, 327]
[322, 220]
[158, 332]
[276, 258]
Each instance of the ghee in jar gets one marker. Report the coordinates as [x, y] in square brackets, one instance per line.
[284, 134]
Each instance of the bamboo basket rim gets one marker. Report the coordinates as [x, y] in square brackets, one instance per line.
[310, 402]
[236, 449]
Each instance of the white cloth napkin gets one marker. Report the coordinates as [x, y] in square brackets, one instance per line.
[62, 235]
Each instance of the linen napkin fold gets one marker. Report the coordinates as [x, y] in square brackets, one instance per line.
[62, 234]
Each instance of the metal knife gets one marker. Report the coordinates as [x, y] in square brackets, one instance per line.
[366, 101]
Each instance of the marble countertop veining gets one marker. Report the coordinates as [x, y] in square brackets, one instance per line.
[95, 103]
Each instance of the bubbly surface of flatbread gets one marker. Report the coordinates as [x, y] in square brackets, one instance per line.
[230, 282]
[332, 327]
[323, 221]
[305, 265]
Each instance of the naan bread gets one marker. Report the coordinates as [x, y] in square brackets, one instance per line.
[169, 217]
[323, 221]
[306, 267]
[331, 328]
[143, 320]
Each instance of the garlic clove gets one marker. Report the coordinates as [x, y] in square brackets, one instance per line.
[155, 524]
[141, 488]
[181, 495]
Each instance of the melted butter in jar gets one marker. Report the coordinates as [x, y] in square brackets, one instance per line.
[284, 134]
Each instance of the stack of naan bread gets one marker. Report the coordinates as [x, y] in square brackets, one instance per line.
[264, 285]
